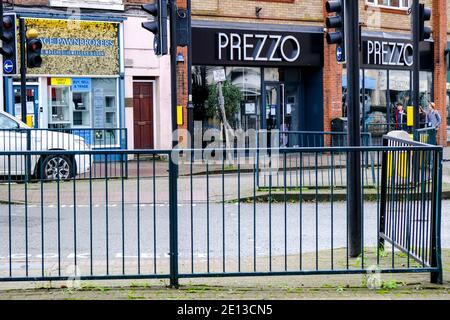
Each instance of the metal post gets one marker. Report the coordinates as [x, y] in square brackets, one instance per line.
[190, 106]
[416, 64]
[354, 130]
[436, 254]
[23, 71]
[23, 91]
[173, 167]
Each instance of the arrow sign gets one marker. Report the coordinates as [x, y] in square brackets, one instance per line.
[8, 66]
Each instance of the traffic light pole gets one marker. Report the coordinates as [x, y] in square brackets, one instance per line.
[173, 168]
[416, 63]
[354, 130]
[23, 70]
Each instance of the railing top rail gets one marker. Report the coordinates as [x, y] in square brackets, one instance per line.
[62, 129]
[313, 132]
[419, 147]
[425, 129]
[406, 142]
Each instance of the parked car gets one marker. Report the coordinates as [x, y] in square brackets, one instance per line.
[13, 137]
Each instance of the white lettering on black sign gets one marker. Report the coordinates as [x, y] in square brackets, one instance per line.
[388, 53]
[258, 47]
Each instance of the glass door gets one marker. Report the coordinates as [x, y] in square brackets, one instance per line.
[32, 105]
[273, 106]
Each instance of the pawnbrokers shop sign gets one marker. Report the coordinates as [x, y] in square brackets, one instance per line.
[77, 47]
[256, 48]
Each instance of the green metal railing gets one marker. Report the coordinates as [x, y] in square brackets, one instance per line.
[174, 218]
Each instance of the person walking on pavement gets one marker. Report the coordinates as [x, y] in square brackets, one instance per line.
[434, 119]
[398, 116]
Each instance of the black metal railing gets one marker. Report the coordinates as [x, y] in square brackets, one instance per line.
[314, 169]
[175, 218]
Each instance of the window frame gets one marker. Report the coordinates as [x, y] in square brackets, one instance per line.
[374, 3]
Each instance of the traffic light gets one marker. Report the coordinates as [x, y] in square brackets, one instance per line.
[424, 15]
[9, 46]
[336, 22]
[158, 26]
[34, 51]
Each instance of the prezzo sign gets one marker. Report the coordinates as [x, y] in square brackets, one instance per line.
[234, 47]
[388, 53]
[257, 47]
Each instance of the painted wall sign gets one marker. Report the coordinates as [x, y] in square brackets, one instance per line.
[82, 48]
[258, 48]
[393, 53]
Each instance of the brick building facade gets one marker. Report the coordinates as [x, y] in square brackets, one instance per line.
[377, 21]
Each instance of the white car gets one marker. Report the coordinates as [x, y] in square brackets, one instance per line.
[13, 137]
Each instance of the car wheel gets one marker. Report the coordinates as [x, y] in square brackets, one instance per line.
[56, 168]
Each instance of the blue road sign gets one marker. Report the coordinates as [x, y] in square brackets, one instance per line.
[8, 66]
[339, 56]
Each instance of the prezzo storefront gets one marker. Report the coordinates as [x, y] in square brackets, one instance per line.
[79, 84]
[277, 70]
[386, 79]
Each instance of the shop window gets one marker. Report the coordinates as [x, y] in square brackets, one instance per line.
[60, 107]
[248, 80]
[374, 106]
[105, 112]
[81, 109]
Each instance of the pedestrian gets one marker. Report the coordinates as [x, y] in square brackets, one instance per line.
[399, 115]
[434, 119]
[422, 118]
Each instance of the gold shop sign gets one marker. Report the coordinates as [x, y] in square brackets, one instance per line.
[77, 48]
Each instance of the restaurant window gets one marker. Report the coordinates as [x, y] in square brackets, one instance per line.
[374, 103]
[247, 80]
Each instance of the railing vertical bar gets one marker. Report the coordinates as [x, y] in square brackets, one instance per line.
[58, 188]
[191, 195]
[347, 224]
[207, 219]
[254, 214]
[91, 258]
[138, 213]
[223, 217]
[40, 168]
[27, 175]
[317, 210]
[301, 212]
[75, 220]
[9, 216]
[407, 206]
[332, 208]
[239, 213]
[107, 213]
[270, 212]
[285, 214]
[154, 214]
[122, 187]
